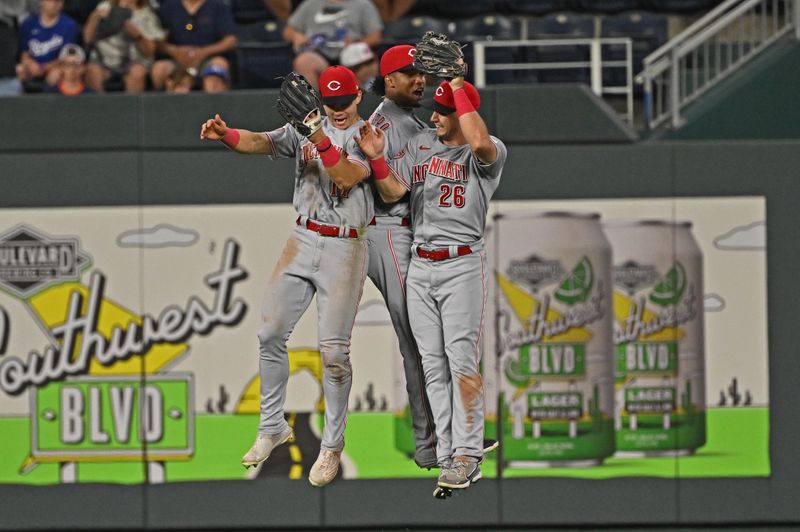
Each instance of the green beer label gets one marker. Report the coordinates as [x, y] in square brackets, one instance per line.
[649, 400]
[647, 357]
[547, 360]
[555, 405]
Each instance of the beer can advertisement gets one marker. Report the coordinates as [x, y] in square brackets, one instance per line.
[622, 337]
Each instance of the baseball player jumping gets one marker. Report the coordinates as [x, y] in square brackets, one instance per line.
[389, 234]
[326, 254]
[451, 172]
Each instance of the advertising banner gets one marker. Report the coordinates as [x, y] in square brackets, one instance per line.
[624, 333]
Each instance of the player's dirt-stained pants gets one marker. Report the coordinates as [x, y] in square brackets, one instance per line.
[389, 256]
[446, 306]
[333, 268]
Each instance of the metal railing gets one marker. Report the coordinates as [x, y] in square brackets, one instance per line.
[709, 50]
[599, 50]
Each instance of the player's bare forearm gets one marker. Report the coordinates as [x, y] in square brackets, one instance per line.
[477, 135]
[390, 189]
[251, 142]
[238, 140]
[474, 128]
[347, 174]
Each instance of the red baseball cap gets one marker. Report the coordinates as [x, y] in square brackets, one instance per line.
[400, 57]
[338, 86]
[443, 101]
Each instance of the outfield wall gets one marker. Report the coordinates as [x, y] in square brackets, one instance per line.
[127, 152]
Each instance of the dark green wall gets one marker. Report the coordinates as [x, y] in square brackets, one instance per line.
[145, 150]
[758, 102]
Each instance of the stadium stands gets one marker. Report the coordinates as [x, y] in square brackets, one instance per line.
[490, 28]
[411, 28]
[608, 6]
[560, 26]
[682, 6]
[263, 31]
[248, 11]
[262, 54]
[536, 7]
[647, 30]
[262, 65]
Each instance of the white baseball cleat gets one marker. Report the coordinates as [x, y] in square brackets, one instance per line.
[325, 468]
[264, 445]
[462, 472]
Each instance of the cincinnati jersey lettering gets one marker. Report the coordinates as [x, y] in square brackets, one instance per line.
[439, 167]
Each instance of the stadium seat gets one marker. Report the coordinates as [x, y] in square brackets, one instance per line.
[463, 8]
[490, 28]
[535, 7]
[647, 30]
[261, 65]
[608, 6]
[566, 25]
[682, 6]
[263, 31]
[248, 11]
[561, 26]
[487, 28]
[409, 29]
[8, 50]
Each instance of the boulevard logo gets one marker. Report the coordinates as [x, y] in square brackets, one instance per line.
[31, 261]
[632, 276]
[534, 271]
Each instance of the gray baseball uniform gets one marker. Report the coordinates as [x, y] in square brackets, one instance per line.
[389, 255]
[334, 267]
[450, 193]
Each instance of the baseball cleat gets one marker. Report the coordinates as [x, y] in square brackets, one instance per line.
[264, 445]
[463, 472]
[325, 468]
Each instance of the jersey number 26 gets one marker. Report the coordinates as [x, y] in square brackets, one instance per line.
[451, 195]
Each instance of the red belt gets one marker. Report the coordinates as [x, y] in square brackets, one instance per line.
[442, 254]
[328, 230]
[405, 222]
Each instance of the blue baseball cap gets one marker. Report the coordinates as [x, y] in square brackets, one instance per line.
[215, 70]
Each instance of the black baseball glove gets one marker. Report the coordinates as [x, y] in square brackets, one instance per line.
[299, 104]
[439, 55]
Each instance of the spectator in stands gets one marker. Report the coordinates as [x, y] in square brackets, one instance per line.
[122, 35]
[71, 61]
[199, 32]
[319, 29]
[280, 9]
[215, 78]
[391, 10]
[41, 38]
[11, 13]
[359, 58]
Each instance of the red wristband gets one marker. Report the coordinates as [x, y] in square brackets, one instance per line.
[329, 156]
[380, 170]
[463, 105]
[231, 138]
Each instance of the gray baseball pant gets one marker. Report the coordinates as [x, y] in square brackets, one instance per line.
[335, 269]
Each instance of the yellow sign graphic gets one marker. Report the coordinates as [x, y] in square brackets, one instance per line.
[51, 305]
